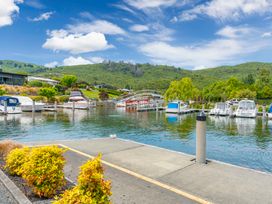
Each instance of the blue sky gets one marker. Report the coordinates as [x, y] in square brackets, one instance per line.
[192, 34]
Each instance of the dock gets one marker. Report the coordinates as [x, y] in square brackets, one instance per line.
[146, 174]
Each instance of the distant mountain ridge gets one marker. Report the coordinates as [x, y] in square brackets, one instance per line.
[137, 76]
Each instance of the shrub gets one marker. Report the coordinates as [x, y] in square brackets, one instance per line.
[16, 159]
[92, 188]
[49, 93]
[6, 146]
[44, 170]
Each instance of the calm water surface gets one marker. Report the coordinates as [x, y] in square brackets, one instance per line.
[244, 142]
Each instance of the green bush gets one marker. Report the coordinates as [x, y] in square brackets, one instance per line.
[49, 93]
[2, 92]
[92, 188]
[43, 170]
[16, 159]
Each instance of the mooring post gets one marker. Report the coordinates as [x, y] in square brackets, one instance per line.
[55, 106]
[264, 111]
[201, 138]
[231, 111]
[33, 106]
[73, 106]
[157, 106]
[89, 104]
[5, 107]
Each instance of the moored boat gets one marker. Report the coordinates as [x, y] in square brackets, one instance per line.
[269, 114]
[9, 105]
[27, 104]
[221, 109]
[246, 109]
[177, 107]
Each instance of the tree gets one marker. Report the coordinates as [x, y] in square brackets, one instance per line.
[181, 90]
[49, 93]
[246, 93]
[265, 93]
[2, 92]
[68, 80]
[249, 79]
[103, 95]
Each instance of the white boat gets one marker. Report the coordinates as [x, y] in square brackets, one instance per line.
[177, 107]
[27, 104]
[269, 114]
[78, 100]
[9, 105]
[246, 109]
[121, 104]
[221, 109]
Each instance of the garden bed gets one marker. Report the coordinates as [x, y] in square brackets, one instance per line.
[21, 184]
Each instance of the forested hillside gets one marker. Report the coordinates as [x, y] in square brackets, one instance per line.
[139, 76]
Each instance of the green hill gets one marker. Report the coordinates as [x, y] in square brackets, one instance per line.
[20, 67]
[139, 76]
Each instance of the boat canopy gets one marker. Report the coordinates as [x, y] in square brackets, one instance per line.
[270, 108]
[173, 105]
[10, 101]
[247, 104]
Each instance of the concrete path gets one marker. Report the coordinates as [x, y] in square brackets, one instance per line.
[215, 182]
[5, 196]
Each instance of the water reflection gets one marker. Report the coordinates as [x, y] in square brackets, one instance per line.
[239, 141]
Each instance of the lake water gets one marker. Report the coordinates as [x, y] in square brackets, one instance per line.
[243, 142]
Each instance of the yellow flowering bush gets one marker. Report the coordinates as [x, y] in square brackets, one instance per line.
[43, 170]
[92, 188]
[16, 159]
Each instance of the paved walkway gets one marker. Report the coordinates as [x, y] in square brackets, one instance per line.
[215, 182]
[5, 195]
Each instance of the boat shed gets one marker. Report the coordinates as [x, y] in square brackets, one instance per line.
[12, 78]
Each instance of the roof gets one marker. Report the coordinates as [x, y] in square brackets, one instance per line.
[42, 79]
[1, 72]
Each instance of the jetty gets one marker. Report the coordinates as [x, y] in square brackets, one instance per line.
[142, 173]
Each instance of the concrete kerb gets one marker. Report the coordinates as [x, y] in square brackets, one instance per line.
[18, 195]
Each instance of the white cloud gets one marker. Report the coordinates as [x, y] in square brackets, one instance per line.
[7, 10]
[100, 26]
[51, 64]
[234, 32]
[267, 34]
[228, 10]
[61, 40]
[43, 16]
[35, 4]
[142, 4]
[220, 51]
[71, 61]
[139, 28]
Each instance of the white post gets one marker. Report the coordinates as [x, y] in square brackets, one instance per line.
[33, 106]
[231, 111]
[264, 111]
[89, 104]
[5, 107]
[55, 106]
[73, 106]
[201, 138]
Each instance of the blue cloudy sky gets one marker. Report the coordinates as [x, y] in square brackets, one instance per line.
[192, 34]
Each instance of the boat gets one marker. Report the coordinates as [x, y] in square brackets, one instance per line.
[221, 109]
[269, 114]
[12, 105]
[27, 104]
[78, 100]
[177, 107]
[246, 109]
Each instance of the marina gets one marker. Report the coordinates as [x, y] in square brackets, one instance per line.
[241, 141]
